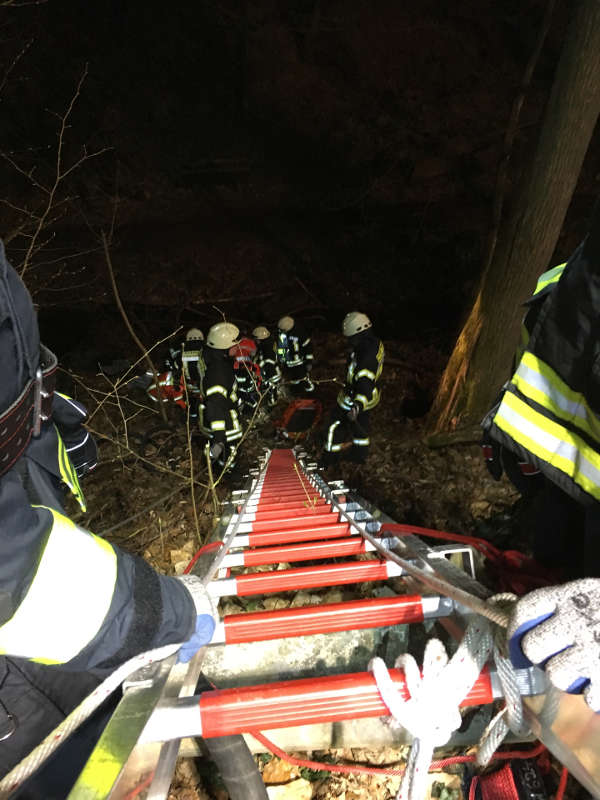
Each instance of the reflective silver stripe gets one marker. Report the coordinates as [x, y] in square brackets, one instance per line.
[218, 425]
[77, 446]
[361, 442]
[360, 398]
[576, 408]
[329, 445]
[68, 598]
[305, 342]
[216, 390]
[554, 446]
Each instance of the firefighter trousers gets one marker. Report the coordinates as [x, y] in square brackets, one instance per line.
[346, 439]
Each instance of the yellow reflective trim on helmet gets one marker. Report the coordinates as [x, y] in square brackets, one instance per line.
[68, 474]
[68, 598]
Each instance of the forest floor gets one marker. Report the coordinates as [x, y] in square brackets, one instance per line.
[139, 498]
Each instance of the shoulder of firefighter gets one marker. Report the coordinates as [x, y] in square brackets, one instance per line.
[549, 410]
[365, 365]
[66, 596]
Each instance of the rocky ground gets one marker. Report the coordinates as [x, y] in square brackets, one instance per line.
[140, 498]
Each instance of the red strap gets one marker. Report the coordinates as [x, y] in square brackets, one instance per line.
[499, 785]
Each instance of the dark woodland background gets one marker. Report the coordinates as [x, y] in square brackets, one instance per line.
[265, 157]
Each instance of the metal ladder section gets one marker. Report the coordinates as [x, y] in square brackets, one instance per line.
[298, 673]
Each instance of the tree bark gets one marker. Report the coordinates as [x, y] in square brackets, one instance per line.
[481, 359]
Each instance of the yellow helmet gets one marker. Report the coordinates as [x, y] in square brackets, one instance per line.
[194, 333]
[260, 333]
[286, 324]
[355, 322]
[222, 336]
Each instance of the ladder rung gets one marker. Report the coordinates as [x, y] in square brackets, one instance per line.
[291, 580]
[260, 626]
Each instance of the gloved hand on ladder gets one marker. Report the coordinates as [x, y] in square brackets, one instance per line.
[206, 620]
[558, 628]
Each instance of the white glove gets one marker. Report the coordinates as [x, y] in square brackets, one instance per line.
[216, 449]
[206, 617]
[559, 629]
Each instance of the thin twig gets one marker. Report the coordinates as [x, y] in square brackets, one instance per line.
[134, 336]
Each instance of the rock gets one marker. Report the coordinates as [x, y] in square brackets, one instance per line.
[296, 790]
[275, 603]
[279, 771]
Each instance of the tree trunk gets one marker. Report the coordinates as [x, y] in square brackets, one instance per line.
[480, 362]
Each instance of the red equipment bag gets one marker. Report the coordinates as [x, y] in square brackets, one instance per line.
[300, 418]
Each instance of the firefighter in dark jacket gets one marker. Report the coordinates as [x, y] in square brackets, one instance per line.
[219, 409]
[267, 361]
[295, 354]
[549, 413]
[70, 602]
[350, 419]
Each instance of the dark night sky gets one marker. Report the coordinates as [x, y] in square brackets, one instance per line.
[350, 146]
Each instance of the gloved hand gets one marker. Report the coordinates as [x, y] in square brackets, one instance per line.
[206, 620]
[353, 413]
[559, 628]
[216, 449]
[491, 452]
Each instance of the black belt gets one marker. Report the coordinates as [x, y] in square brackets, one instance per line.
[23, 419]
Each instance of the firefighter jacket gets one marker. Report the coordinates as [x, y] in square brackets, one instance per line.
[364, 369]
[219, 405]
[267, 361]
[549, 413]
[192, 362]
[294, 347]
[67, 597]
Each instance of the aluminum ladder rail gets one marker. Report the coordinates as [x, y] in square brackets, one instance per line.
[288, 514]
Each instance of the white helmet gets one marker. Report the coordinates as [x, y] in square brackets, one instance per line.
[286, 324]
[222, 336]
[194, 333]
[260, 333]
[355, 322]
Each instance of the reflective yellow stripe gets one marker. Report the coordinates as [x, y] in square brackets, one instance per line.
[365, 373]
[68, 598]
[67, 472]
[361, 442]
[548, 277]
[551, 442]
[362, 400]
[538, 381]
[216, 390]
[218, 425]
[332, 448]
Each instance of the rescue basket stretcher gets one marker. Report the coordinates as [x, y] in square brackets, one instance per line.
[285, 515]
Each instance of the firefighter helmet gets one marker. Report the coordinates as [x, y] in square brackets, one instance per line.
[194, 333]
[261, 333]
[222, 336]
[355, 322]
[286, 324]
